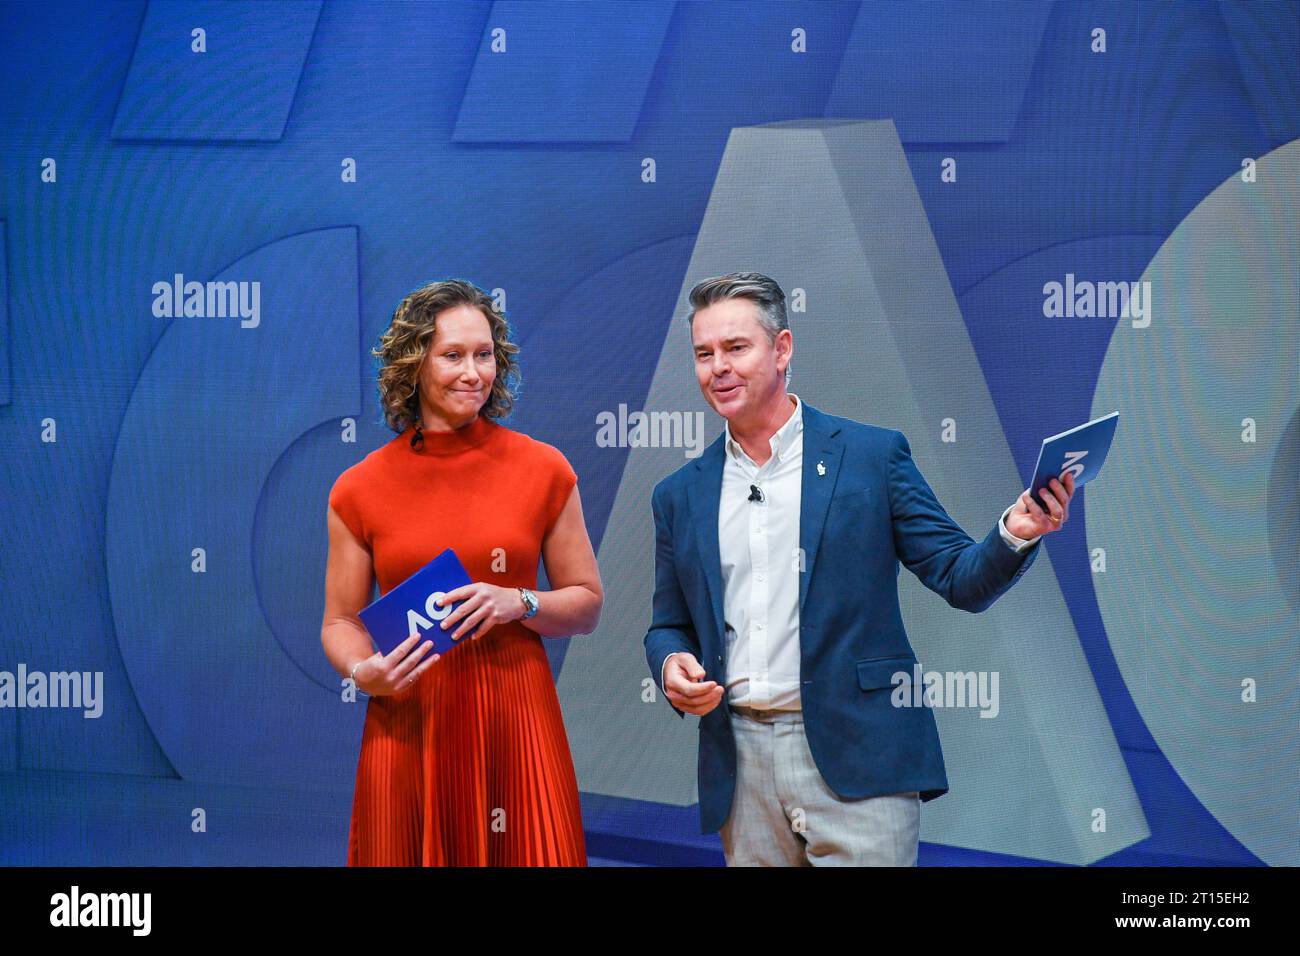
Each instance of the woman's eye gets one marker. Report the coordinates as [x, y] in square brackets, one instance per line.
[486, 353]
[452, 355]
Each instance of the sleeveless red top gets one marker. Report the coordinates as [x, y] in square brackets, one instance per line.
[470, 765]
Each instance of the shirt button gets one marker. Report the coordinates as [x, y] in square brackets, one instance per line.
[758, 577]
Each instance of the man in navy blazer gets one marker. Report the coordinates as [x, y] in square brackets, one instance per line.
[776, 560]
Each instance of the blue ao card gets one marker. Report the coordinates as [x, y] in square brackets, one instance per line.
[410, 607]
[1082, 451]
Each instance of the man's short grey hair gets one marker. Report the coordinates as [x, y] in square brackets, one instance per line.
[762, 290]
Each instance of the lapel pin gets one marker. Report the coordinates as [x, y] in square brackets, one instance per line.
[821, 468]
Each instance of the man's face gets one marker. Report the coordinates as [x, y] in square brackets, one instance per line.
[740, 372]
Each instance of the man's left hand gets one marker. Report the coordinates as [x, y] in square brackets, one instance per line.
[1027, 518]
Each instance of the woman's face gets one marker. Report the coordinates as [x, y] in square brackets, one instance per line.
[459, 369]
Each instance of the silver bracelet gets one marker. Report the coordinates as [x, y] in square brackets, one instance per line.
[353, 676]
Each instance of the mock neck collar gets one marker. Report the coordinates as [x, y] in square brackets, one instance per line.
[451, 442]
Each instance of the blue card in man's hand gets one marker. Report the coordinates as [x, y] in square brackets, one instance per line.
[1081, 450]
[409, 608]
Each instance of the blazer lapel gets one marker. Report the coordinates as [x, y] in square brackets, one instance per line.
[705, 493]
[823, 452]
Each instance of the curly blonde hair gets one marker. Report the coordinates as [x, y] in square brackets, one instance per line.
[404, 345]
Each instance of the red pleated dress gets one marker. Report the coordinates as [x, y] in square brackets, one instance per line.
[470, 765]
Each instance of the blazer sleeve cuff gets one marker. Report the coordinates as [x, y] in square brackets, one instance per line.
[1010, 564]
[1014, 543]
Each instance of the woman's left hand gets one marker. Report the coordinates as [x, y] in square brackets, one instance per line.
[486, 605]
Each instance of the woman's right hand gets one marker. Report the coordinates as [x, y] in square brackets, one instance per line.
[382, 675]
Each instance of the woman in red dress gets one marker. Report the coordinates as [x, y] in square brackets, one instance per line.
[464, 759]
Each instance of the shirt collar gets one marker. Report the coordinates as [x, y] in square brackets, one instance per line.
[781, 441]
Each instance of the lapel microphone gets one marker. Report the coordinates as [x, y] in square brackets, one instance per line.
[755, 493]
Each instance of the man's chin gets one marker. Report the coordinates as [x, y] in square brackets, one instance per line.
[729, 410]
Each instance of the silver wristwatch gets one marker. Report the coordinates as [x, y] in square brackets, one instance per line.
[530, 603]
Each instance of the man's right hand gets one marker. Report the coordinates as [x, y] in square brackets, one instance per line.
[686, 688]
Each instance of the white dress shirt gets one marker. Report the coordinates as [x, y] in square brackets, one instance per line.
[758, 542]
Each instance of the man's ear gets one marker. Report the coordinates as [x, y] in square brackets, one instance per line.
[785, 345]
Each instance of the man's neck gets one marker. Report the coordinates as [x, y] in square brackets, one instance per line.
[755, 436]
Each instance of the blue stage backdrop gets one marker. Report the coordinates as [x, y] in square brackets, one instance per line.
[994, 220]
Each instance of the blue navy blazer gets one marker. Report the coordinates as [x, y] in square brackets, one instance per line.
[871, 510]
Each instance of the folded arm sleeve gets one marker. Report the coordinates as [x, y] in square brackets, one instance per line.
[671, 629]
[931, 545]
